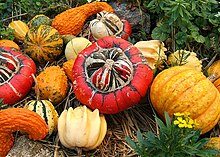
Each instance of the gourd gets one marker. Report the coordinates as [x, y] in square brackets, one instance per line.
[16, 70]
[9, 43]
[81, 127]
[111, 75]
[72, 20]
[19, 119]
[183, 57]
[39, 20]
[67, 68]
[43, 43]
[47, 112]
[184, 89]
[75, 46]
[20, 29]
[214, 74]
[214, 143]
[53, 84]
[153, 51]
[109, 24]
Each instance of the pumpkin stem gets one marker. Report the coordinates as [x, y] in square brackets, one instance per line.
[37, 91]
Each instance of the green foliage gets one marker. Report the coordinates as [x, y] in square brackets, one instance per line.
[172, 141]
[6, 33]
[186, 21]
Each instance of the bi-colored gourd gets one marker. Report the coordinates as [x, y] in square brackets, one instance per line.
[111, 75]
[81, 127]
[71, 21]
[184, 89]
[39, 20]
[9, 43]
[183, 57]
[153, 51]
[20, 29]
[109, 24]
[19, 119]
[214, 74]
[16, 70]
[52, 84]
[43, 43]
[75, 46]
[47, 111]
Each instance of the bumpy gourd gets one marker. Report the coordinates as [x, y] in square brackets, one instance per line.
[43, 43]
[67, 67]
[19, 119]
[72, 20]
[46, 110]
[52, 84]
[81, 127]
[184, 89]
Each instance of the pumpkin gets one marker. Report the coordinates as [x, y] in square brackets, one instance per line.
[9, 43]
[214, 74]
[153, 51]
[16, 70]
[67, 68]
[183, 57]
[185, 89]
[20, 29]
[52, 84]
[72, 20]
[75, 46]
[111, 75]
[39, 20]
[109, 24]
[81, 127]
[19, 119]
[43, 43]
[47, 111]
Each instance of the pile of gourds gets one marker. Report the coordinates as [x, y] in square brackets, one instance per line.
[108, 73]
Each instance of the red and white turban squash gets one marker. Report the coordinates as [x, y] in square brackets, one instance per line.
[16, 71]
[111, 75]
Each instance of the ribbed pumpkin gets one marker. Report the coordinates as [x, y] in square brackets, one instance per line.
[39, 20]
[43, 43]
[20, 29]
[214, 74]
[47, 111]
[184, 89]
[52, 84]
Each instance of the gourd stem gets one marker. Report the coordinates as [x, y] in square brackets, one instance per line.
[37, 91]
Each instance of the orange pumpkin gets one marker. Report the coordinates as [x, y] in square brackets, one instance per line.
[214, 74]
[184, 89]
[9, 43]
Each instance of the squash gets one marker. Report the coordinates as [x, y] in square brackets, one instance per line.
[75, 46]
[81, 127]
[19, 119]
[39, 20]
[185, 89]
[9, 43]
[183, 57]
[72, 20]
[16, 70]
[214, 74]
[52, 84]
[20, 29]
[46, 110]
[111, 75]
[43, 43]
[67, 68]
[153, 51]
[109, 24]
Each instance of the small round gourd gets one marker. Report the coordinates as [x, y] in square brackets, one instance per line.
[47, 111]
[184, 89]
[39, 20]
[43, 43]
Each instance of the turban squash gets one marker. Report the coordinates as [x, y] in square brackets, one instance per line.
[184, 89]
[16, 70]
[111, 75]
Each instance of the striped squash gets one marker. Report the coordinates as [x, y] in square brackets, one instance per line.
[47, 111]
[20, 29]
[39, 20]
[43, 43]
